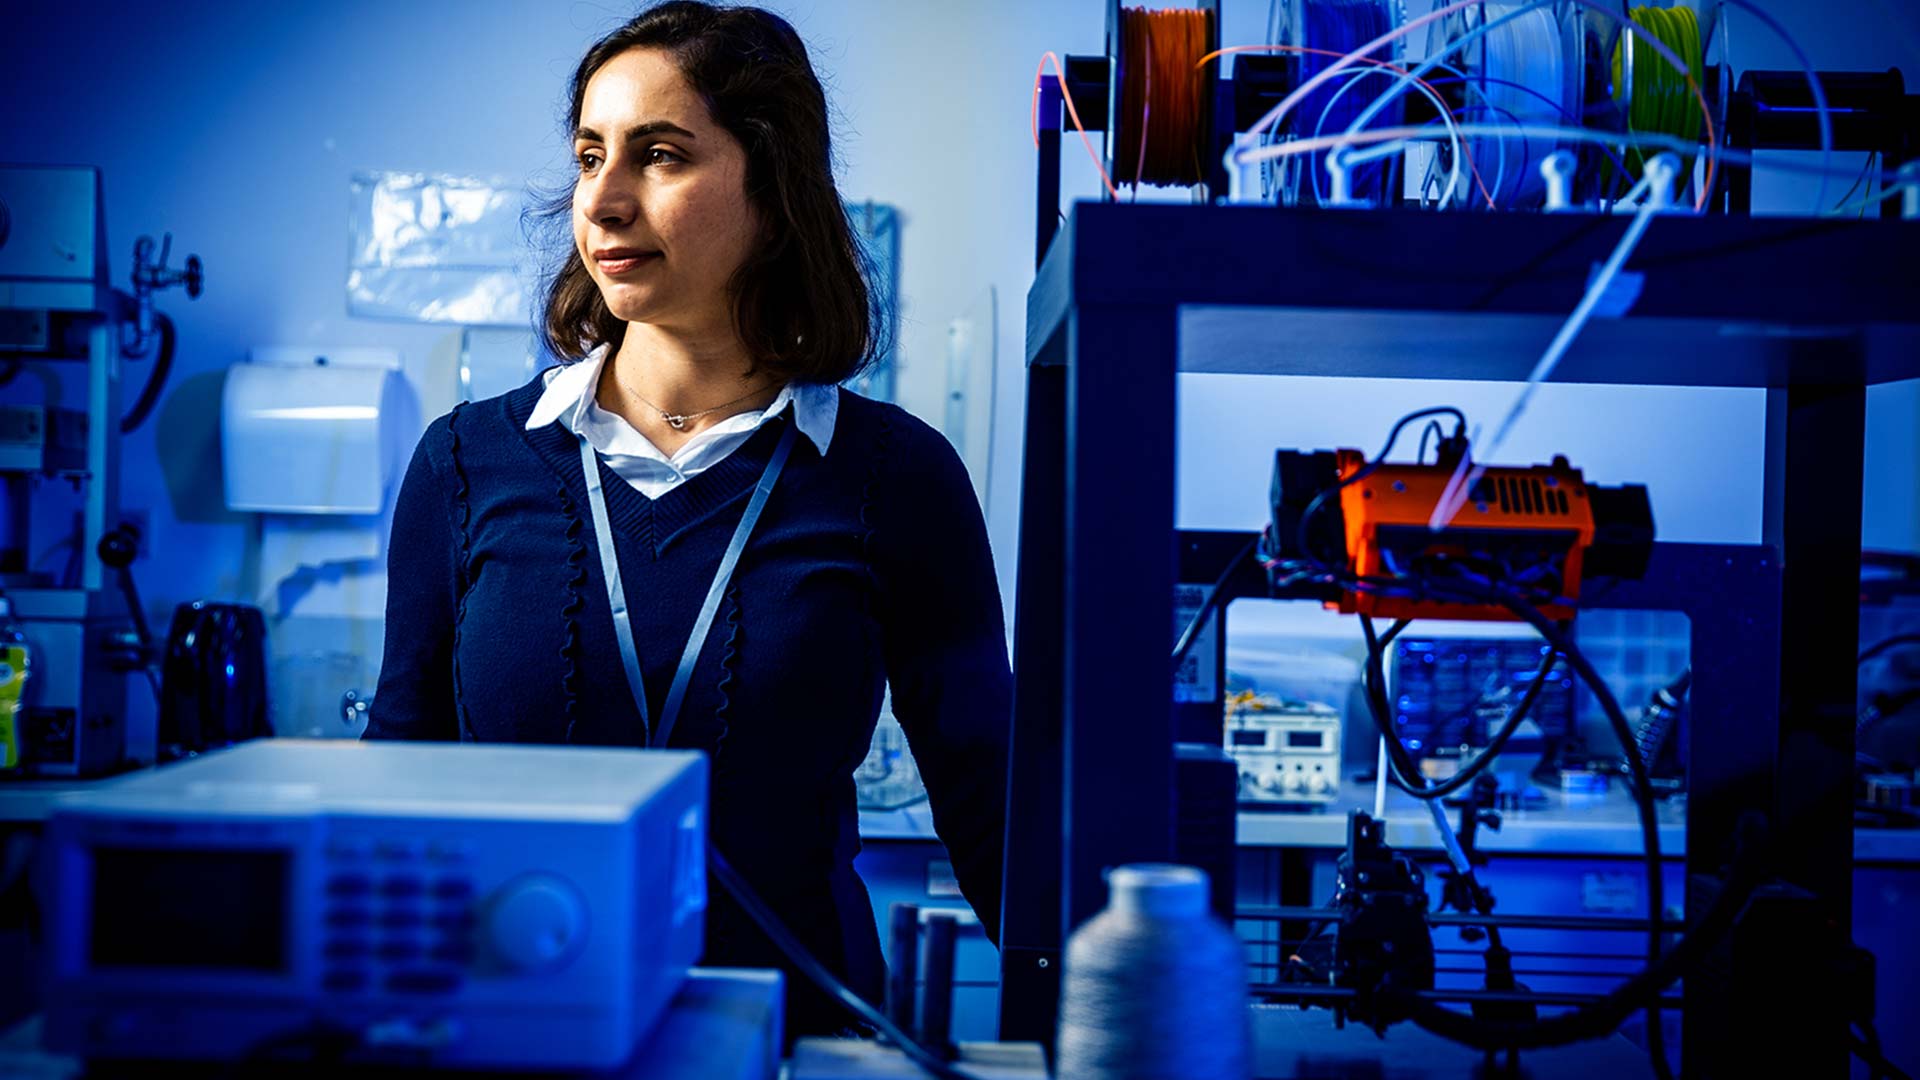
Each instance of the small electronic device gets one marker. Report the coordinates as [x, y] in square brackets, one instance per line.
[38, 439]
[1543, 527]
[1451, 693]
[1288, 751]
[469, 906]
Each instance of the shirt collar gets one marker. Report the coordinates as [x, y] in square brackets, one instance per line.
[571, 387]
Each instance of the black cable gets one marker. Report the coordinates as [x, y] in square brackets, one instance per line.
[1433, 427]
[1601, 1017]
[1374, 686]
[1402, 766]
[1866, 170]
[818, 974]
[1378, 708]
[1636, 767]
[1639, 785]
[156, 378]
[1657, 1044]
[1313, 507]
[1888, 644]
[1192, 632]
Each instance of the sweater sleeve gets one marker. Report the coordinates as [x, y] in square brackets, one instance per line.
[946, 652]
[415, 698]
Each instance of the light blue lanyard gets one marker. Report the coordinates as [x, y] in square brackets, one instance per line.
[617, 594]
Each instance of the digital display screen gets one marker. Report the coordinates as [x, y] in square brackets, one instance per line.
[224, 908]
[1249, 738]
[1308, 739]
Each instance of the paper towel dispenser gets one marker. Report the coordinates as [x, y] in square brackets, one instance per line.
[312, 431]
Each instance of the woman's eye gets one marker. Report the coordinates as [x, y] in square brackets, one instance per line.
[660, 155]
[588, 161]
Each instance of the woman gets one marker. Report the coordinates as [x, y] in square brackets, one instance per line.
[710, 306]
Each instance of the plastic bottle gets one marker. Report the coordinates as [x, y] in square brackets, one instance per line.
[1155, 987]
[16, 664]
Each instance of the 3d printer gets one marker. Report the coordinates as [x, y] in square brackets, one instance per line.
[1543, 529]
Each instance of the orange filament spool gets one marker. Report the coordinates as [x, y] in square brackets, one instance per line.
[1161, 103]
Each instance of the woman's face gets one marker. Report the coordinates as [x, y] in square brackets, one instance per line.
[660, 215]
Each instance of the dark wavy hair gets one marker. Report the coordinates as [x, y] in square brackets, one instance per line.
[802, 303]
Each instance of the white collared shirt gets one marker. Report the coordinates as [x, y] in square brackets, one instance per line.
[570, 398]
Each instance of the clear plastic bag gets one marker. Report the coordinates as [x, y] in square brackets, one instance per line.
[436, 248]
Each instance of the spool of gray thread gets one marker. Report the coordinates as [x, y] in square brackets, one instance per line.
[1155, 986]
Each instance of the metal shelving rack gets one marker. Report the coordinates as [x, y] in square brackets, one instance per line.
[1128, 296]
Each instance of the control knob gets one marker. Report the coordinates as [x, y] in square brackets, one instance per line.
[536, 922]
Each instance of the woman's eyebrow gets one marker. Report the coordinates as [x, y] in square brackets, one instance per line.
[638, 131]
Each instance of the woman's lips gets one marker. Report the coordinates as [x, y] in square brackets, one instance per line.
[625, 263]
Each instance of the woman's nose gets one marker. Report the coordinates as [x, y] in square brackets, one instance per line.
[606, 203]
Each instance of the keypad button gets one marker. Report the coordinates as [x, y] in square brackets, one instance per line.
[344, 981]
[401, 886]
[347, 918]
[453, 889]
[397, 849]
[456, 952]
[349, 885]
[348, 849]
[449, 851]
[423, 981]
[399, 918]
[453, 921]
[347, 948]
[399, 950]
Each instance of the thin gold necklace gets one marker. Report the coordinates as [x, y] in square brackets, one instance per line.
[678, 421]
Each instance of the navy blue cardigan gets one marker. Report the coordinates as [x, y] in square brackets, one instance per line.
[869, 566]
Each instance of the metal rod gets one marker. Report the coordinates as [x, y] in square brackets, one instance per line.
[1517, 922]
[1476, 972]
[1556, 954]
[1536, 973]
[904, 930]
[936, 1010]
[1315, 994]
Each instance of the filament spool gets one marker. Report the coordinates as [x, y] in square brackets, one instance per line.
[1338, 27]
[1523, 73]
[1657, 97]
[1162, 97]
[1598, 25]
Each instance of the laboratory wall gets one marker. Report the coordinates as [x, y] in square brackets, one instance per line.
[237, 127]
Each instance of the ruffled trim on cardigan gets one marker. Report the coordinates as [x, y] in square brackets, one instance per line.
[727, 658]
[462, 517]
[570, 611]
